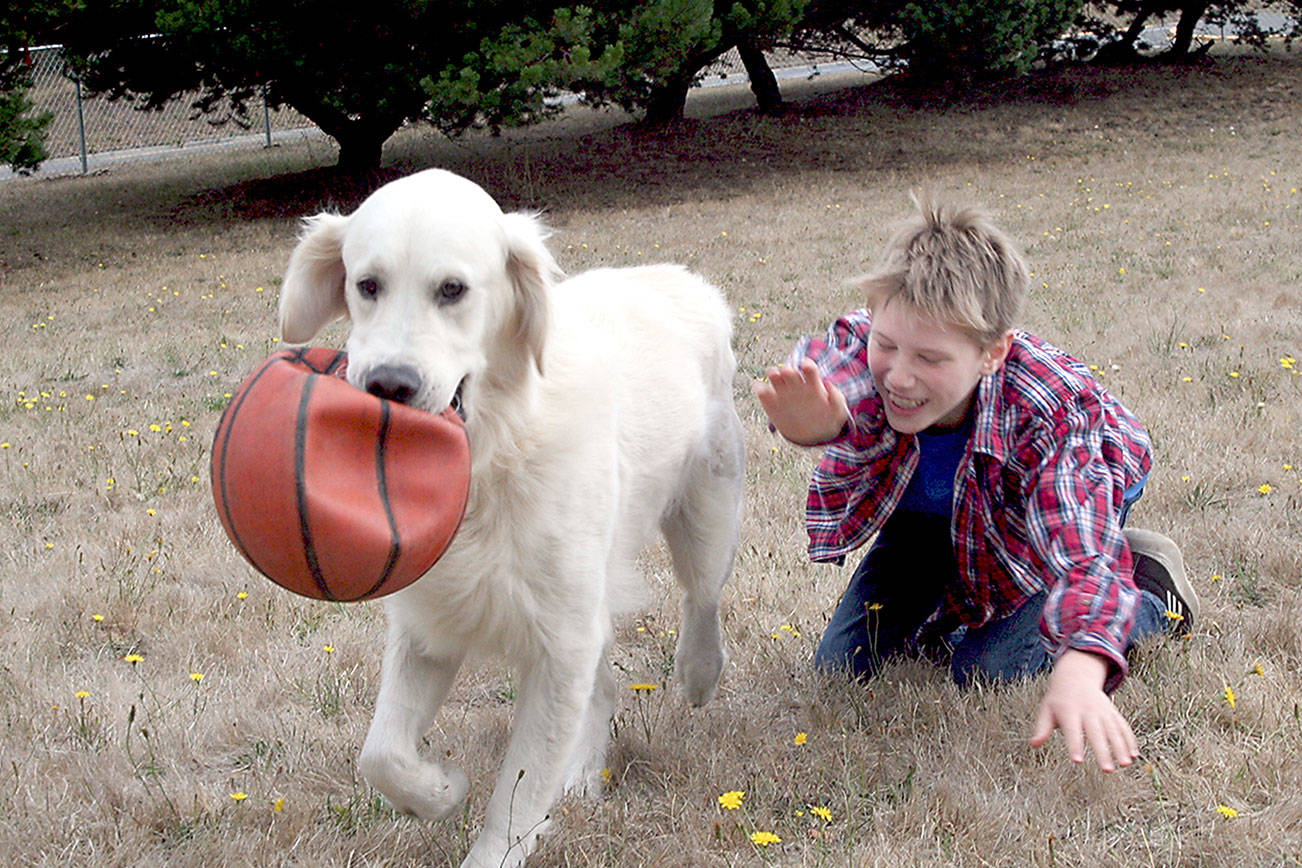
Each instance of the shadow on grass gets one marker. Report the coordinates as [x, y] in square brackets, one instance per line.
[883, 126]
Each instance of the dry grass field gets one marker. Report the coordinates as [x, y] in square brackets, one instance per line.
[162, 704]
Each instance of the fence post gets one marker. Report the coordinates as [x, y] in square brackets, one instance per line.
[266, 115]
[81, 127]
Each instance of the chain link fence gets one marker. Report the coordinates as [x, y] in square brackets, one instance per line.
[85, 124]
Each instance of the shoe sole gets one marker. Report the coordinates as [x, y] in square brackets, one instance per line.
[1163, 549]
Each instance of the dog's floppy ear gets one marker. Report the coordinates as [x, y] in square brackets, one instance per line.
[532, 270]
[313, 292]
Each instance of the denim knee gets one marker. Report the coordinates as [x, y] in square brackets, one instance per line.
[1005, 650]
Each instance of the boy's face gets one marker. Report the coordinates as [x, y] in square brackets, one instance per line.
[927, 370]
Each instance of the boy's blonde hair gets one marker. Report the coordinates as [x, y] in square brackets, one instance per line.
[952, 262]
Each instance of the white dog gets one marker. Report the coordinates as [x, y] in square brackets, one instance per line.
[598, 409]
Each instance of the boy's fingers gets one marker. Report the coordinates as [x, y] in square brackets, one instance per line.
[785, 377]
[1125, 747]
[1075, 738]
[1043, 727]
[837, 398]
[1100, 744]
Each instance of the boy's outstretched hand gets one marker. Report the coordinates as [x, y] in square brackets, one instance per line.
[1076, 704]
[801, 405]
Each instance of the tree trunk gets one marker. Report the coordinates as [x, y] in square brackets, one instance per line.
[668, 101]
[1124, 50]
[1137, 26]
[1190, 15]
[361, 145]
[360, 139]
[763, 83]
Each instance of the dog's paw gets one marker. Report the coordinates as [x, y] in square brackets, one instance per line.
[698, 671]
[424, 789]
[494, 851]
[587, 782]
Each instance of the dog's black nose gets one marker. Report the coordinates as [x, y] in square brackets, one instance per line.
[396, 382]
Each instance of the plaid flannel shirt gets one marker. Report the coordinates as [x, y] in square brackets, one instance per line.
[1037, 495]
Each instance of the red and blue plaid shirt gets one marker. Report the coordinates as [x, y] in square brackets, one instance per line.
[1037, 497]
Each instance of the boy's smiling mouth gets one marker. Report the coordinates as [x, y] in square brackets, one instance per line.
[902, 403]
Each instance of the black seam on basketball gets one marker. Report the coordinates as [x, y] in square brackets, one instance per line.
[300, 488]
[382, 480]
[232, 410]
[338, 358]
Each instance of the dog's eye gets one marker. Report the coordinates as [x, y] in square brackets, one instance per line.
[368, 288]
[451, 290]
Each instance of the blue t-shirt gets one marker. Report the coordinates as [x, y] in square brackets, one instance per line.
[931, 490]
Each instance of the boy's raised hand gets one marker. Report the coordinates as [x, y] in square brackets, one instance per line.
[803, 407]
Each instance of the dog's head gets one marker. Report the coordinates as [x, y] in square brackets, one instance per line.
[444, 291]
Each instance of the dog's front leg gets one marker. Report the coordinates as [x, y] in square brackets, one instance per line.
[412, 687]
[550, 710]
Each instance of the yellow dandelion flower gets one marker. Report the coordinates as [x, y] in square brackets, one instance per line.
[1216, 577]
[801, 738]
[732, 799]
[1174, 616]
[874, 607]
[278, 805]
[82, 694]
[242, 595]
[329, 649]
[1258, 669]
[1265, 488]
[1230, 697]
[764, 839]
[196, 677]
[240, 796]
[1227, 812]
[132, 659]
[606, 775]
[642, 688]
[822, 813]
[97, 617]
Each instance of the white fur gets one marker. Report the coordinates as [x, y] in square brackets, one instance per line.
[599, 409]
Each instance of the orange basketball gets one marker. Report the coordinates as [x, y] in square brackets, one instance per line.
[330, 491]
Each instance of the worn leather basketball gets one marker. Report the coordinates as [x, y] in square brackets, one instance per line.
[332, 492]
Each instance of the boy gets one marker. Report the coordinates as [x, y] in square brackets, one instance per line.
[996, 475]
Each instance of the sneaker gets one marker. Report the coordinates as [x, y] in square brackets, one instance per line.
[1159, 569]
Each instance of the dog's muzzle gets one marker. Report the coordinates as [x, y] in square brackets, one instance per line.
[401, 383]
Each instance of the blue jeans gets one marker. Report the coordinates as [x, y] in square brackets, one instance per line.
[899, 584]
